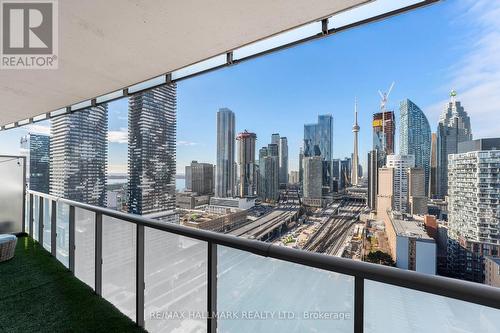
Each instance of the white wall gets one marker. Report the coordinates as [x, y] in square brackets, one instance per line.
[426, 257]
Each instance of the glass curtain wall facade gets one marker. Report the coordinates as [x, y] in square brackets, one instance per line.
[36, 148]
[415, 137]
[225, 170]
[152, 150]
[78, 155]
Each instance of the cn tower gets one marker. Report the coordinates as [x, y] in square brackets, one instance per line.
[355, 158]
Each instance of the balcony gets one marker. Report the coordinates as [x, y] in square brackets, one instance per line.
[40, 294]
[167, 278]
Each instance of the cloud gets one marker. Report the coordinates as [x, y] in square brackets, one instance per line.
[120, 136]
[186, 143]
[476, 76]
[117, 169]
[38, 129]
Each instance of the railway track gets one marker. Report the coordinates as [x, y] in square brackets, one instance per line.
[333, 231]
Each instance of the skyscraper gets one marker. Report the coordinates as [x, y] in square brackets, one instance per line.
[384, 129]
[78, 154]
[36, 147]
[246, 161]
[225, 170]
[433, 177]
[312, 177]
[268, 173]
[372, 179]
[152, 149]
[400, 165]
[275, 138]
[415, 137]
[473, 209]
[200, 178]
[318, 141]
[283, 158]
[355, 156]
[453, 128]
[379, 129]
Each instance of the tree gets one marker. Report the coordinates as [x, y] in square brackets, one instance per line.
[379, 257]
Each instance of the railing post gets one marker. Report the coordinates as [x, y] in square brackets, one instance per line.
[139, 276]
[53, 228]
[98, 254]
[359, 291]
[40, 220]
[31, 216]
[71, 248]
[212, 288]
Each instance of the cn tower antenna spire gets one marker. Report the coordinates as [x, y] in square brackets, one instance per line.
[355, 157]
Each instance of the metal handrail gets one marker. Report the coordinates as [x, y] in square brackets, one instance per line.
[437, 285]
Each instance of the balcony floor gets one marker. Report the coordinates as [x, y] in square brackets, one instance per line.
[39, 294]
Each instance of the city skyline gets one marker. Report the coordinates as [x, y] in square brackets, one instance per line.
[199, 98]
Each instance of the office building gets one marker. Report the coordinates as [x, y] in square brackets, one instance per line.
[225, 168]
[345, 173]
[385, 196]
[275, 139]
[36, 148]
[336, 174]
[384, 132]
[372, 179]
[473, 207]
[269, 173]
[433, 176]
[415, 137]
[312, 177]
[453, 127]
[78, 155]
[246, 161]
[294, 177]
[401, 165]
[152, 150]
[318, 141]
[200, 178]
[301, 165]
[410, 245]
[417, 198]
[283, 160]
[492, 271]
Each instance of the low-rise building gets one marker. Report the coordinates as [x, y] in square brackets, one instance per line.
[214, 222]
[226, 205]
[191, 200]
[411, 247]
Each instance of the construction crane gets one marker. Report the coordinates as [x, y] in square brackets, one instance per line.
[383, 104]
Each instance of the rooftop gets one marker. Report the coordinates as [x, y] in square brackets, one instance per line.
[409, 227]
[39, 293]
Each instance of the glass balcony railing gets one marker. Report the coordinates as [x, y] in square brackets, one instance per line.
[171, 278]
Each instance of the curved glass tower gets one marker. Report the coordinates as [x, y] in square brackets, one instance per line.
[415, 137]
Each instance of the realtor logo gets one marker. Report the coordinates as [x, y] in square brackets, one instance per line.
[29, 34]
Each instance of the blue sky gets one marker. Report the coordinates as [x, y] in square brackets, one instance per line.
[453, 44]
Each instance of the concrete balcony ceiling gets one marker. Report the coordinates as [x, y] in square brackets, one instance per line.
[108, 45]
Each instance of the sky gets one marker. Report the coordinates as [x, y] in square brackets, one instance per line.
[454, 44]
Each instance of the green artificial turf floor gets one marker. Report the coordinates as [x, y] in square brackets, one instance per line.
[39, 294]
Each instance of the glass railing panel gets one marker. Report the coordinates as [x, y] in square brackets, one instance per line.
[259, 294]
[36, 216]
[389, 308]
[62, 235]
[27, 214]
[118, 264]
[175, 275]
[85, 246]
[47, 215]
